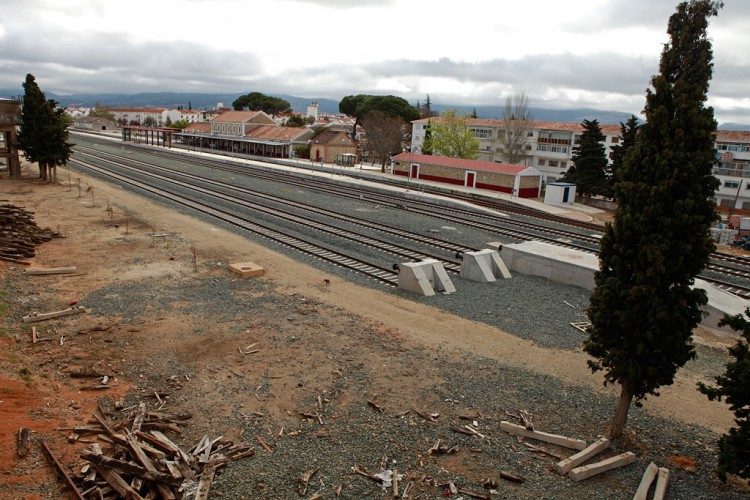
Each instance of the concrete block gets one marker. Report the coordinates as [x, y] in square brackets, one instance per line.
[558, 264]
[424, 278]
[483, 266]
[247, 270]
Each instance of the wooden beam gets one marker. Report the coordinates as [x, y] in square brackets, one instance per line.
[648, 477]
[34, 317]
[586, 471]
[61, 471]
[570, 463]
[575, 444]
[39, 271]
[661, 483]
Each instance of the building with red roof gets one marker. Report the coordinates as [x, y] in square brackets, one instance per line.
[519, 180]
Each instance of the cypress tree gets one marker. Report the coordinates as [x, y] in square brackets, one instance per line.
[643, 308]
[44, 131]
[628, 133]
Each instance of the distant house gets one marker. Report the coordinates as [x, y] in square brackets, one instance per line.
[138, 116]
[93, 123]
[10, 118]
[330, 145]
[518, 180]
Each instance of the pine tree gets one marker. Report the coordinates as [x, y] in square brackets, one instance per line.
[734, 387]
[589, 162]
[643, 308]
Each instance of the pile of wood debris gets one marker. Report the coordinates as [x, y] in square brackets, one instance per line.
[141, 461]
[19, 234]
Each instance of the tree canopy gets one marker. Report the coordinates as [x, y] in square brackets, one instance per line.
[385, 135]
[358, 107]
[589, 167]
[734, 387]
[644, 308]
[100, 111]
[517, 124]
[449, 136]
[255, 101]
[44, 131]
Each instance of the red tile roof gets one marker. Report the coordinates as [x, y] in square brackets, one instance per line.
[733, 135]
[503, 168]
[557, 126]
[276, 133]
[198, 127]
[239, 116]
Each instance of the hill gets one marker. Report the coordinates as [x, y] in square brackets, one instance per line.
[328, 106]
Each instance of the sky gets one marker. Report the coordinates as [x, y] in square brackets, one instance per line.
[562, 54]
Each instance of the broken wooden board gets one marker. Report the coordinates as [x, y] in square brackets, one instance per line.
[570, 463]
[575, 444]
[661, 483]
[41, 271]
[648, 477]
[586, 471]
[247, 270]
[34, 317]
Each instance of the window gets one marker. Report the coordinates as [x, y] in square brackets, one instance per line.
[551, 149]
[732, 184]
[615, 139]
[563, 164]
[540, 162]
[550, 137]
[553, 163]
[482, 133]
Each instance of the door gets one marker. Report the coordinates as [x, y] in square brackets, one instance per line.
[470, 179]
[566, 193]
[414, 174]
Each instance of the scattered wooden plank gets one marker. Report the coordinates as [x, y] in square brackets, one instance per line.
[130, 468]
[473, 494]
[539, 449]
[570, 463]
[117, 483]
[204, 485]
[575, 444]
[661, 483]
[424, 415]
[61, 471]
[40, 271]
[34, 317]
[648, 477]
[586, 471]
[263, 444]
[22, 442]
[511, 477]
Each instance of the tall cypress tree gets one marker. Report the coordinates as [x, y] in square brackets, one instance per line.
[589, 161]
[643, 308]
[628, 135]
[44, 131]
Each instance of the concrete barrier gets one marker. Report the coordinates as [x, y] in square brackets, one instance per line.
[424, 278]
[483, 266]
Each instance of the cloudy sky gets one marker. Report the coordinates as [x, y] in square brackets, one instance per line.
[562, 54]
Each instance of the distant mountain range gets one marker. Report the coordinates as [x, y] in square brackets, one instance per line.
[327, 106]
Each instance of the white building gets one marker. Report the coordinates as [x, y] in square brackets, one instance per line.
[733, 171]
[550, 150]
[549, 146]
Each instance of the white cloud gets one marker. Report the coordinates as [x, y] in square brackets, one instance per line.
[597, 53]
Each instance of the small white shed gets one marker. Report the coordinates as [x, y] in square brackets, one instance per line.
[560, 193]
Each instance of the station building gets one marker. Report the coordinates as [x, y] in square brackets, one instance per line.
[518, 180]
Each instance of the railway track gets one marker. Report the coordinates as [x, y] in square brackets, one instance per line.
[381, 274]
[722, 264]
